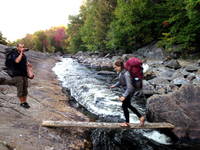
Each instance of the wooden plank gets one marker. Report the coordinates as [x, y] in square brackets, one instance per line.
[49, 123]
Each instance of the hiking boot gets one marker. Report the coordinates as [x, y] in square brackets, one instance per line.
[25, 105]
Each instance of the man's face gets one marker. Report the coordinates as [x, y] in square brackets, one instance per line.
[20, 47]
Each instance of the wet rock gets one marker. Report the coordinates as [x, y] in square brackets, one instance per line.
[178, 74]
[149, 75]
[173, 64]
[66, 91]
[167, 73]
[107, 73]
[105, 63]
[180, 108]
[94, 61]
[122, 139]
[79, 53]
[196, 81]
[151, 52]
[198, 62]
[154, 63]
[58, 54]
[95, 66]
[191, 68]
[158, 81]
[184, 73]
[163, 89]
[148, 89]
[180, 81]
[191, 77]
[2, 62]
[173, 87]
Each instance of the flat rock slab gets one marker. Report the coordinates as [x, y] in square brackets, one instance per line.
[21, 128]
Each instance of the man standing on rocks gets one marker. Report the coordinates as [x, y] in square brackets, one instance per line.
[18, 70]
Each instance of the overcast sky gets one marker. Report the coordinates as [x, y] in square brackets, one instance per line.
[19, 17]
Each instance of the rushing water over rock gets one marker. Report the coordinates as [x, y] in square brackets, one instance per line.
[92, 92]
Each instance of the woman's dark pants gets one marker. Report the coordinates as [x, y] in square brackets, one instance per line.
[127, 104]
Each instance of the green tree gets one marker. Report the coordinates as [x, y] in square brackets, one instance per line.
[125, 26]
[40, 41]
[103, 18]
[133, 26]
[184, 25]
[98, 15]
[87, 31]
[74, 40]
[28, 40]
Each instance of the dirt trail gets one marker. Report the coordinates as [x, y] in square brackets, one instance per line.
[21, 128]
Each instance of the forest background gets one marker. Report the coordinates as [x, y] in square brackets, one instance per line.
[123, 26]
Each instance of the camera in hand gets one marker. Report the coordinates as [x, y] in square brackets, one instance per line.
[26, 49]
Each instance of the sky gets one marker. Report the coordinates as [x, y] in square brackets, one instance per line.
[19, 17]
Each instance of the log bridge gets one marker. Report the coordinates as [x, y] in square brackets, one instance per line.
[48, 123]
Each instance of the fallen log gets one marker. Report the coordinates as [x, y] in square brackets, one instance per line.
[48, 123]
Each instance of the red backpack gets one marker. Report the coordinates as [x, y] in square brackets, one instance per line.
[134, 66]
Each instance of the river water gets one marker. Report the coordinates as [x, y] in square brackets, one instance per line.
[93, 93]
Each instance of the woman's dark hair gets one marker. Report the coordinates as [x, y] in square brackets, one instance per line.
[119, 63]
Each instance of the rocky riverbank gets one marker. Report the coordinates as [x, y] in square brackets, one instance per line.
[21, 129]
[170, 85]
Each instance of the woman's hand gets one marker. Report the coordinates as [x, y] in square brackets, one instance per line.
[112, 86]
[122, 98]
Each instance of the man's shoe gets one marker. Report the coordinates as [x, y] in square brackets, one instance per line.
[2, 80]
[25, 105]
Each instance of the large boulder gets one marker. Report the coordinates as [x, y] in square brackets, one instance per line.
[151, 51]
[2, 62]
[181, 108]
[172, 64]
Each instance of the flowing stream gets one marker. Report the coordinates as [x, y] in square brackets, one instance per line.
[93, 93]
